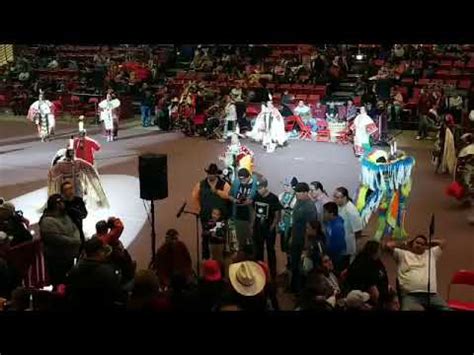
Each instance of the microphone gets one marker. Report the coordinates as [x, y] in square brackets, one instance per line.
[181, 210]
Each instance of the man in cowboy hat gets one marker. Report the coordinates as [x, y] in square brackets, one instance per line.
[248, 280]
[208, 194]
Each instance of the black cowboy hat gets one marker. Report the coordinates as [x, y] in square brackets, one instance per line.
[213, 170]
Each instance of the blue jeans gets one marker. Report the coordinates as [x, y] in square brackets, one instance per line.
[311, 124]
[419, 302]
[146, 112]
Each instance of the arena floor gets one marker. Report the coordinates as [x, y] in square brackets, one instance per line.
[24, 163]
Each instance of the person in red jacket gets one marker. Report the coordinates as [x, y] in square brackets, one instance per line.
[109, 232]
[172, 259]
[85, 147]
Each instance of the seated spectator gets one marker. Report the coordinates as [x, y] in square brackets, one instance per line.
[357, 301]
[8, 279]
[317, 295]
[94, 284]
[303, 111]
[367, 273]
[335, 234]
[109, 233]
[412, 273]
[24, 76]
[320, 111]
[211, 286]
[326, 268]
[146, 294]
[309, 301]
[61, 239]
[53, 64]
[14, 224]
[173, 257]
[248, 280]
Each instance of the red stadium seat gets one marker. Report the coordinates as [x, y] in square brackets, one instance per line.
[290, 123]
[461, 277]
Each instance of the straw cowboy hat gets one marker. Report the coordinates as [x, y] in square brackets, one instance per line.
[247, 278]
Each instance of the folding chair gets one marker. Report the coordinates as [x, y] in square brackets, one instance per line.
[305, 132]
[290, 123]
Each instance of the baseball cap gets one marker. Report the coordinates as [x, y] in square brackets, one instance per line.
[301, 187]
[243, 173]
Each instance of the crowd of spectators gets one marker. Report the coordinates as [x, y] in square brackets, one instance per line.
[326, 271]
[325, 268]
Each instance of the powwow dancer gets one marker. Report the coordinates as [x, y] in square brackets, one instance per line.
[41, 112]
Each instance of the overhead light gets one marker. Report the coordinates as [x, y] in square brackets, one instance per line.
[359, 56]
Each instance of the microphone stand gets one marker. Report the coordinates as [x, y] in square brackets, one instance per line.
[430, 237]
[198, 258]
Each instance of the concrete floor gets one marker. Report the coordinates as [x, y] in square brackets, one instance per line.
[24, 164]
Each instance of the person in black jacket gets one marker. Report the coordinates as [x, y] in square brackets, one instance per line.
[75, 207]
[94, 284]
[208, 194]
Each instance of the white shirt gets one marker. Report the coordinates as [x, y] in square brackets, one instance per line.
[412, 270]
[352, 224]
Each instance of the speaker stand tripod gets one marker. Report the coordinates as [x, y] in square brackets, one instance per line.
[198, 256]
[153, 234]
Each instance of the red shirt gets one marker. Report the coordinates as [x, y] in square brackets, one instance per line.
[84, 149]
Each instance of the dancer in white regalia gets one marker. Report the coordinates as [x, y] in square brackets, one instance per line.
[277, 130]
[363, 127]
[108, 113]
[41, 112]
[269, 128]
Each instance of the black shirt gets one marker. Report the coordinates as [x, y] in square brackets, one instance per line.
[303, 212]
[364, 273]
[266, 208]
